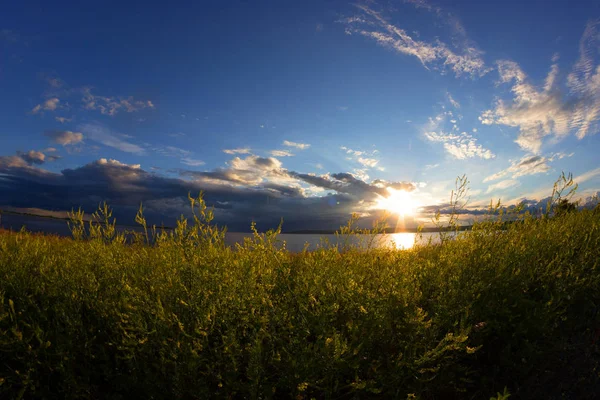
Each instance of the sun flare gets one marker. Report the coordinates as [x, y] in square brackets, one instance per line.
[398, 202]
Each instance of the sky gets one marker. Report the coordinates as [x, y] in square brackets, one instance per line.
[301, 110]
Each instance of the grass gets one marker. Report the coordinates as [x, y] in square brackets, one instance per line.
[501, 309]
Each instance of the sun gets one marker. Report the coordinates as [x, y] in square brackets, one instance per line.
[398, 202]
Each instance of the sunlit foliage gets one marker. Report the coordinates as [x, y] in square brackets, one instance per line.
[502, 309]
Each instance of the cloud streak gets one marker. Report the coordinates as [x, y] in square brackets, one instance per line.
[437, 54]
[281, 153]
[101, 134]
[527, 165]
[240, 150]
[299, 146]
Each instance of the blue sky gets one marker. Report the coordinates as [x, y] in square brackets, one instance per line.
[302, 110]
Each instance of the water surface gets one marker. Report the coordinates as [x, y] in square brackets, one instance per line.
[293, 241]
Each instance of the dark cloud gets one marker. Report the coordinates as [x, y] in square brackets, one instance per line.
[165, 198]
[348, 183]
[250, 189]
[33, 157]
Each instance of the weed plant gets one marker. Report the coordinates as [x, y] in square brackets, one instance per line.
[505, 309]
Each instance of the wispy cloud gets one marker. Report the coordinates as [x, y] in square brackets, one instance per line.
[365, 158]
[49, 105]
[460, 145]
[299, 146]
[59, 93]
[10, 36]
[540, 112]
[65, 138]
[112, 105]
[192, 162]
[186, 156]
[62, 120]
[435, 54]
[239, 150]
[586, 176]
[101, 134]
[502, 185]
[454, 103]
[527, 165]
[172, 151]
[281, 153]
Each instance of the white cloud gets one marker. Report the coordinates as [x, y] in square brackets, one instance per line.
[368, 162]
[100, 134]
[361, 174]
[255, 163]
[117, 163]
[49, 105]
[250, 171]
[541, 112]
[433, 54]
[299, 146]
[112, 105]
[244, 150]
[468, 148]
[460, 145]
[365, 158]
[281, 153]
[502, 185]
[65, 138]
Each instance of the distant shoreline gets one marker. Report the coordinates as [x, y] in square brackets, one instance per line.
[387, 231]
[292, 232]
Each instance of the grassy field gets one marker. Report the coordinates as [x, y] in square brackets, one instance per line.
[509, 309]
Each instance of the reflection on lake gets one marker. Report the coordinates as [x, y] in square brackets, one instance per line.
[297, 242]
[403, 240]
[294, 242]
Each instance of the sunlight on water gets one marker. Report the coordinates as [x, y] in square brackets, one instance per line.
[404, 240]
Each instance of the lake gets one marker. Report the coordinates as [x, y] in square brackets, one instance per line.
[294, 242]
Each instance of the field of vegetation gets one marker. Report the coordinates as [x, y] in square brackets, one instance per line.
[504, 308]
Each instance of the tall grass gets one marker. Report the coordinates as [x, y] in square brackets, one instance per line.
[505, 308]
